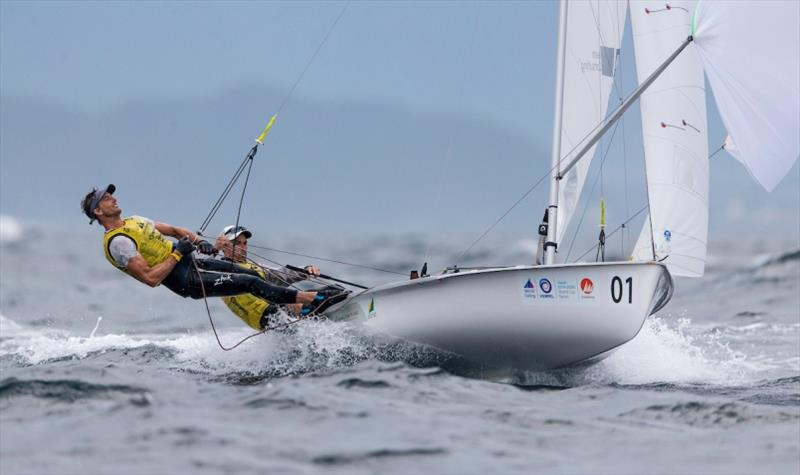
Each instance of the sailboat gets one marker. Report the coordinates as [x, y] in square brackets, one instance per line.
[552, 315]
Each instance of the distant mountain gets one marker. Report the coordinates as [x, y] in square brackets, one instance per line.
[344, 166]
[333, 168]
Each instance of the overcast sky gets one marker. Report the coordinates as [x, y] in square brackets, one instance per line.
[95, 54]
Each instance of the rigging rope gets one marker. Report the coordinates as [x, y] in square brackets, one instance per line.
[631, 218]
[591, 192]
[323, 259]
[214, 328]
[314, 56]
[538, 182]
[259, 141]
[247, 163]
[521, 198]
[448, 152]
[721, 148]
[225, 192]
[613, 232]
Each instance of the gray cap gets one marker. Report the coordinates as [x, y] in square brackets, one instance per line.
[232, 232]
[89, 204]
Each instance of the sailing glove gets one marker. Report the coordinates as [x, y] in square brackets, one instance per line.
[184, 246]
[206, 247]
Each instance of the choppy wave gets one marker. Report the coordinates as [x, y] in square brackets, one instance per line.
[313, 346]
[709, 414]
[782, 258]
[355, 457]
[68, 390]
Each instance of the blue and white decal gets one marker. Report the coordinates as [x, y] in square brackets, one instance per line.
[529, 290]
[546, 288]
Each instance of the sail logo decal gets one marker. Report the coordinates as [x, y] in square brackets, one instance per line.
[667, 235]
[603, 60]
[529, 290]
[371, 309]
[546, 287]
[587, 286]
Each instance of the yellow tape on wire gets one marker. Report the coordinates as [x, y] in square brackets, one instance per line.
[602, 212]
[263, 135]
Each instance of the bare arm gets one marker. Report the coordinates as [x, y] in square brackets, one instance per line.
[151, 276]
[176, 232]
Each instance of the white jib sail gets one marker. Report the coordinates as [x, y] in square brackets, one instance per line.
[751, 54]
[594, 33]
[675, 138]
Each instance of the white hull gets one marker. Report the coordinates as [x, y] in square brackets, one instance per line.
[527, 318]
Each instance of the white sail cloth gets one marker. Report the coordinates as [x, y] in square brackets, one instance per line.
[675, 135]
[594, 31]
[751, 54]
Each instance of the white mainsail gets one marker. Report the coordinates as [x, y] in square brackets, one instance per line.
[675, 139]
[594, 32]
[743, 45]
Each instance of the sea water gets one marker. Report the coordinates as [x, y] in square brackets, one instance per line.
[101, 374]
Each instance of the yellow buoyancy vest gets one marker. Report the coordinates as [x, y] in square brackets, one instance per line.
[248, 307]
[150, 244]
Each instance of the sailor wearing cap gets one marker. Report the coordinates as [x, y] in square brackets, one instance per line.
[253, 310]
[140, 247]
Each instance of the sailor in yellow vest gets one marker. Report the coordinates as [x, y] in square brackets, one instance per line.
[253, 310]
[139, 247]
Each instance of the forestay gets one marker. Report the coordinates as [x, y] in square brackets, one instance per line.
[593, 34]
[675, 139]
[751, 55]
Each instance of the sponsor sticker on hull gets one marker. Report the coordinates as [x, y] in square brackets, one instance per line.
[546, 289]
[586, 286]
[566, 290]
[529, 290]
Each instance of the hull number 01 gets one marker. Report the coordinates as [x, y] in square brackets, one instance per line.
[618, 289]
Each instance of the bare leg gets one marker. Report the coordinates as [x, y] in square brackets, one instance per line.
[305, 297]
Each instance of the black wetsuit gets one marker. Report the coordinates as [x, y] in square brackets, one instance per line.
[222, 279]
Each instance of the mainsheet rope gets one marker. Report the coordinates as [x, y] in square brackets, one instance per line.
[252, 335]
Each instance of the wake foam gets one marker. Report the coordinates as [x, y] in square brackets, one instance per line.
[31, 346]
[311, 346]
[662, 353]
[671, 352]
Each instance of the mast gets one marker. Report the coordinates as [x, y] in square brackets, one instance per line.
[555, 158]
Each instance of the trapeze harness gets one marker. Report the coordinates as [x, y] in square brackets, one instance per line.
[219, 278]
